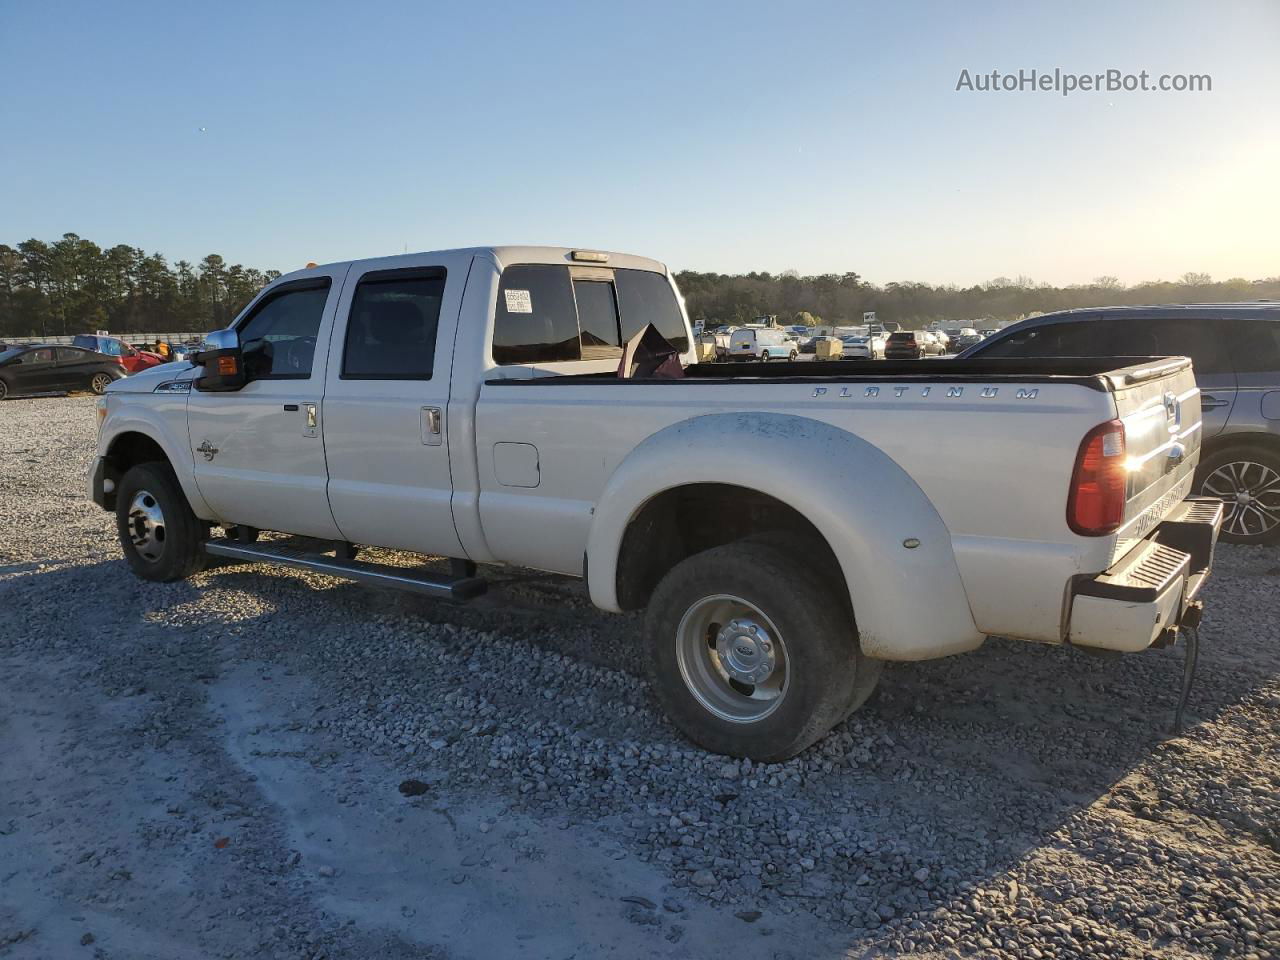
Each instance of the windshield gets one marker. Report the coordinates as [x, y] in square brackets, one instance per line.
[6, 355]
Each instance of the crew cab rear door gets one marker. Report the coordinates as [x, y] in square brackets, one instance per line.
[386, 400]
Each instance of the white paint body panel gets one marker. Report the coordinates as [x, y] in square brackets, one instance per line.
[549, 474]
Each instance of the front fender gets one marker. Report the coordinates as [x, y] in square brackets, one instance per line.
[910, 603]
[164, 420]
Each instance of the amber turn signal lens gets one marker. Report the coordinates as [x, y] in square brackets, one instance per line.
[227, 366]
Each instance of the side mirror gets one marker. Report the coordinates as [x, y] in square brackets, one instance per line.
[223, 362]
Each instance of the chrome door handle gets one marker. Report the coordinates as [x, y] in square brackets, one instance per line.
[1209, 403]
[311, 421]
[431, 420]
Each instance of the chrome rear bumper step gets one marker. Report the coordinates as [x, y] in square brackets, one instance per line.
[441, 586]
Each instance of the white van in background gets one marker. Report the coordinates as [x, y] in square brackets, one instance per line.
[762, 343]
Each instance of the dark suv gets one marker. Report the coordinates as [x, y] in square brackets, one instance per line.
[1235, 348]
[906, 345]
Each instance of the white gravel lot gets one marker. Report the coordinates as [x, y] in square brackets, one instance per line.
[215, 769]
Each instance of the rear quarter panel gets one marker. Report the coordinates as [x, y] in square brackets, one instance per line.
[994, 461]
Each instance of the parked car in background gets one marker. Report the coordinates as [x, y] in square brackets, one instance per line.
[762, 343]
[988, 332]
[904, 345]
[1235, 349]
[964, 341]
[49, 369]
[863, 348]
[130, 357]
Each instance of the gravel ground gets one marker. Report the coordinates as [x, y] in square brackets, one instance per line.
[264, 763]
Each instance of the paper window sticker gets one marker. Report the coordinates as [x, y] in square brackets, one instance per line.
[519, 301]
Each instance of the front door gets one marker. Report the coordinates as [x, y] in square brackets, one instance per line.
[259, 451]
[387, 403]
[36, 373]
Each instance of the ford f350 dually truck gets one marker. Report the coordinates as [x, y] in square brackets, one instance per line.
[787, 528]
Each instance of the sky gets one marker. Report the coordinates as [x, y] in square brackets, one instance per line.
[729, 137]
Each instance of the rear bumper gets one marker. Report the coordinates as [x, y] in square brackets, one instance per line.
[1147, 595]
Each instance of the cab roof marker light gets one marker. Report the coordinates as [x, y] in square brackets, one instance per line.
[589, 256]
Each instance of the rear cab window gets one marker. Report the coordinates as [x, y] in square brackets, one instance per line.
[548, 313]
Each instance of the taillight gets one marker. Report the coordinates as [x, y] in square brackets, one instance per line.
[1099, 483]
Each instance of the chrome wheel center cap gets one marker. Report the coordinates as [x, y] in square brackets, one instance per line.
[745, 651]
[1244, 497]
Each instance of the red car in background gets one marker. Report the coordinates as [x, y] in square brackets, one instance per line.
[130, 358]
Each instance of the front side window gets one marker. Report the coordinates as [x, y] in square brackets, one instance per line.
[391, 333]
[39, 356]
[279, 337]
[1049, 340]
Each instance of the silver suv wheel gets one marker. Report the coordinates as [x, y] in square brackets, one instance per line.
[1251, 492]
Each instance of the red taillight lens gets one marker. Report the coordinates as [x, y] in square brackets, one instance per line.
[1095, 506]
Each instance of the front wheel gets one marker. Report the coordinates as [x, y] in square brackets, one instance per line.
[747, 658]
[1247, 480]
[4, 390]
[793, 356]
[100, 382]
[161, 538]
[764, 358]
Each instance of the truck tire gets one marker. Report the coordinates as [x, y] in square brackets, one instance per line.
[161, 538]
[1247, 479]
[749, 659]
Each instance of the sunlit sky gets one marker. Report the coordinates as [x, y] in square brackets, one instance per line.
[714, 136]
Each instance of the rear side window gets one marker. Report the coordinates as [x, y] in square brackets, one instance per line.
[391, 331]
[647, 297]
[72, 355]
[536, 321]
[1256, 345]
[279, 337]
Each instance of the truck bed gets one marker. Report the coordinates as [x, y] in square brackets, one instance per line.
[1097, 373]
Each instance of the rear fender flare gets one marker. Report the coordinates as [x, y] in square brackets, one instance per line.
[909, 601]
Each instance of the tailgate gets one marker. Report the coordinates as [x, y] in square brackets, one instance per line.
[1159, 405]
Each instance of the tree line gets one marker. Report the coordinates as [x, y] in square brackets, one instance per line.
[843, 298]
[72, 285]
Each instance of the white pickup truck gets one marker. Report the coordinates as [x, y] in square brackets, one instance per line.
[787, 528]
